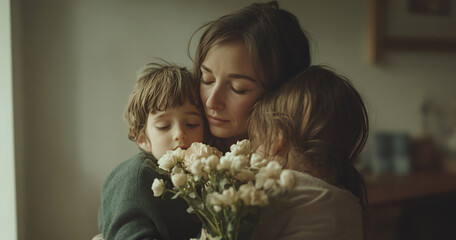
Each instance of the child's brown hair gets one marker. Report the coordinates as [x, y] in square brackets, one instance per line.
[323, 123]
[159, 87]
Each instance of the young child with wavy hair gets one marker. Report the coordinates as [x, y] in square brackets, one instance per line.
[317, 125]
[163, 113]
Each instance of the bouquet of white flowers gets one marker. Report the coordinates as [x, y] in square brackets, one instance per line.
[227, 191]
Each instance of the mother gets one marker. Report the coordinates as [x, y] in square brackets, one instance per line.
[242, 56]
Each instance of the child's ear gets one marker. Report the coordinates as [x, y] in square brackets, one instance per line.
[144, 143]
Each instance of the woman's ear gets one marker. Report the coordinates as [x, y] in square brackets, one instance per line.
[144, 143]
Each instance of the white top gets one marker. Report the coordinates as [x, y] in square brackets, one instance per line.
[316, 210]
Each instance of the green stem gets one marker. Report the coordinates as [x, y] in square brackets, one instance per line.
[215, 227]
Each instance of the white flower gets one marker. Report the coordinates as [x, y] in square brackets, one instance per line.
[197, 169]
[225, 161]
[241, 148]
[260, 178]
[202, 150]
[190, 159]
[273, 169]
[268, 176]
[240, 162]
[227, 198]
[199, 151]
[167, 161]
[206, 236]
[251, 196]
[269, 183]
[210, 163]
[287, 179]
[217, 208]
[256, 161]
[178, 154]
[158, 187]
[179, 179]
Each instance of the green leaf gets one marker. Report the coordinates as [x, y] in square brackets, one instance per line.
[230, 227]
[191, 210]
[201, 206]
[192, 195]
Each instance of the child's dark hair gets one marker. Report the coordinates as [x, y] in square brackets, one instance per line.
[159, 86]
[323, 122]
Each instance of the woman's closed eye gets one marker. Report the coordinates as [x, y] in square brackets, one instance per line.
[238, 91]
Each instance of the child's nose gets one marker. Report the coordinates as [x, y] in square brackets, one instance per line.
[180, 134]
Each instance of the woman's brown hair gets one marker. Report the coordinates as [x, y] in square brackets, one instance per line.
[273, 37]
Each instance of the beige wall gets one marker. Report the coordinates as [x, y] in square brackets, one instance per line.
[8, 226]
[75, 64]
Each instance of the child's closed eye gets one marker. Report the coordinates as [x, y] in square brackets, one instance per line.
[193, 125]
[163, 127]
[206, 82]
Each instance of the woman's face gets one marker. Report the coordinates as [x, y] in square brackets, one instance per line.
[229, 88]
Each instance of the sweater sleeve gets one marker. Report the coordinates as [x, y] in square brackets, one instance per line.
[131, 222]
[128, 209]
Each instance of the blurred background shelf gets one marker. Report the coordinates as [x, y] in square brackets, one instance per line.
[390, 189]
[419, 205]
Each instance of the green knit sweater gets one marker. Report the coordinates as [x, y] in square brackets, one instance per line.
[130, 211]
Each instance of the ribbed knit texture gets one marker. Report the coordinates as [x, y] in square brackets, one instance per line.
[130, 211]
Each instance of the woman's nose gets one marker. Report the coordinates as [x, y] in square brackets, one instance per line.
[215, 98]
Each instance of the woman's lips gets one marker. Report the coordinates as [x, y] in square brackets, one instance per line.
[216, 121]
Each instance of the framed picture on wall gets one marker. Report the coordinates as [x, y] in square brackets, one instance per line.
[417, 25]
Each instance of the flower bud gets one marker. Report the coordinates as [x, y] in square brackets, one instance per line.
[197, 168]
[177, 169]
[211, 162]
[251, 196]
[273, 169]
[256, 161]
[167, 161]
[179, 179]
[158, 187]
[269, 183]
[225, 162]
[239, 162]
[287, 179]
[217, 208]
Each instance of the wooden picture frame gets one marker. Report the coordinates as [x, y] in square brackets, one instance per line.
[412, 25]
